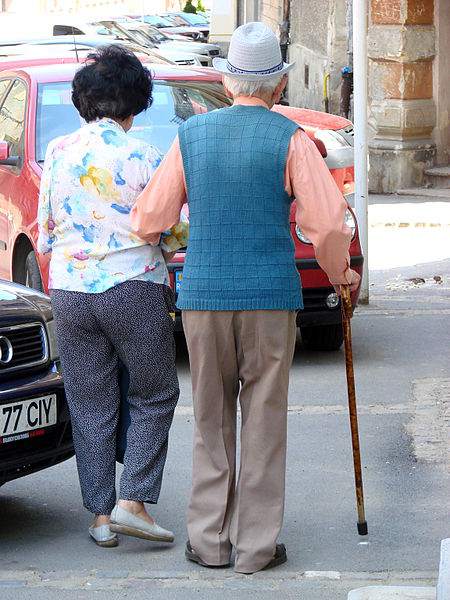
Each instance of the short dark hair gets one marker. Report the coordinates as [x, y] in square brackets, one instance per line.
[113, 83]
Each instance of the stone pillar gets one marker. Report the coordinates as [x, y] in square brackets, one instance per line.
[401, 47]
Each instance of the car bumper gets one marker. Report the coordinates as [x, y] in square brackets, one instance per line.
[54, 445]
[315, 311]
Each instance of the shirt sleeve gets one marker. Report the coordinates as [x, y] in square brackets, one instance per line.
[45, 218]
[159, 205]
[152, 160]
[320, 207]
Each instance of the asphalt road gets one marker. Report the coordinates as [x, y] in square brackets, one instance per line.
[401, 344]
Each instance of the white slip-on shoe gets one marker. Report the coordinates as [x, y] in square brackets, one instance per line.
[122, 521]
[103, 537]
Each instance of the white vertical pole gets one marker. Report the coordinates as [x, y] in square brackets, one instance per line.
[360, 139]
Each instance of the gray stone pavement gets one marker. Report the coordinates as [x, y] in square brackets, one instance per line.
[401, 344]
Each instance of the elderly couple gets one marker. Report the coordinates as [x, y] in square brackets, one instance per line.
[106, 201]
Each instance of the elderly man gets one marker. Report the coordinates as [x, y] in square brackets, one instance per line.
[239, 169]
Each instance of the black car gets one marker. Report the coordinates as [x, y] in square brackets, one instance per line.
[35, 430]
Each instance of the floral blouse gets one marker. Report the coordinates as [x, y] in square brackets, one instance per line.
[90, 182]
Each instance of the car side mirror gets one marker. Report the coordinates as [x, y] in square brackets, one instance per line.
[5, 158]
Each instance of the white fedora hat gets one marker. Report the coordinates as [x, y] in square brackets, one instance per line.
[254, 53]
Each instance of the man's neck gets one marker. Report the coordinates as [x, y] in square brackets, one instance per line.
[251, 101]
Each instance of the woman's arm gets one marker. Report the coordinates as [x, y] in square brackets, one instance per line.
[158, 207]
[45, 218]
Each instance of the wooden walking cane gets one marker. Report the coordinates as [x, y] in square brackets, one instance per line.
[347, 313]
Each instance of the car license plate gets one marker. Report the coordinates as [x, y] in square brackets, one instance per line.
[178, 278]
[27, 415]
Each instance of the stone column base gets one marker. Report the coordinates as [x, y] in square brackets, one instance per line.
[398, 164]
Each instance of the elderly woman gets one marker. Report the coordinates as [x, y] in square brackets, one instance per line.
[110, 295]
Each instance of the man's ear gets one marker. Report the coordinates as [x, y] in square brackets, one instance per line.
[227, 91]
[279, 89]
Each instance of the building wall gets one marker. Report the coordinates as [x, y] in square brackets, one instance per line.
[441, 85]
[271, 13]
[401, 47]
[318, 47]
[105, 7]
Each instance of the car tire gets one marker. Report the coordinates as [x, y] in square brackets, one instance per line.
[33, 277]
[323, 337]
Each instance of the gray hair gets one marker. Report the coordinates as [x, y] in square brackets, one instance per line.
[248, 87]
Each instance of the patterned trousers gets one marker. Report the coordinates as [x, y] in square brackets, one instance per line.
[130, 321]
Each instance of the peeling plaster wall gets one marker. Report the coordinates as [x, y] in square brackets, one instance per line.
[272, 14]
[318, 46]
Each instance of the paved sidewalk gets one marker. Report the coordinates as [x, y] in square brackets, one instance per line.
[393, 593]
[400, 345]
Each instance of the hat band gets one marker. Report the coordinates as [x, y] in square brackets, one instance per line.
[234, 69]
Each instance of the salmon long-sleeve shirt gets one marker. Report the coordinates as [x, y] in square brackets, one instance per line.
[320, 206]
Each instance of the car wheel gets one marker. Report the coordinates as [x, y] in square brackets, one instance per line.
[323, 337]
[32, 273]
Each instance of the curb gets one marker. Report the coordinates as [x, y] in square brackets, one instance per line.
[392, 592]
[435, 215]
[443, 588]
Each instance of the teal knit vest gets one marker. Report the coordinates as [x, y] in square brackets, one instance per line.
[240, 253]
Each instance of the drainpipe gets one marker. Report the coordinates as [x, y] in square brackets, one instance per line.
[325, 92]
[346, 91]
[360, 137]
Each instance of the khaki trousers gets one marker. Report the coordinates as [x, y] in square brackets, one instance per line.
[246, 354]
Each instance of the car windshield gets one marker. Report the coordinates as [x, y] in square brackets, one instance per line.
[176, 21]
[193, 19]
[154, 34]
[157, 21]
[173, 103]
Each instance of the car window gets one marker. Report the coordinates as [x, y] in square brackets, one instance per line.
[66, 30]
[177, 21]
[4, 83]
[55, 115]
[108, 29]
[154, 34]
[194, 19]
[142, 37]
[157, 21]
[173, 103]
[12, 119]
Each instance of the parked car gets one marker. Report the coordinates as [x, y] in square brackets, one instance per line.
[182, 19]
[35, 431]
[205, 15]
[79, 46]
[35, 107]
[114, 32]
[137, 32]
[173, 30]
[161, 39]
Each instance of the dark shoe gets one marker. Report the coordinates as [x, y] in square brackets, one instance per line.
[279, 558]
[190, 555]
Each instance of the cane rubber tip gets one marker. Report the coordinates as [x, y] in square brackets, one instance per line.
[362, 528]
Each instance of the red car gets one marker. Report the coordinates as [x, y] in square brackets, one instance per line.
[35, 107]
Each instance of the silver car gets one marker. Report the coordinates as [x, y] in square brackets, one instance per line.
[176, 41]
